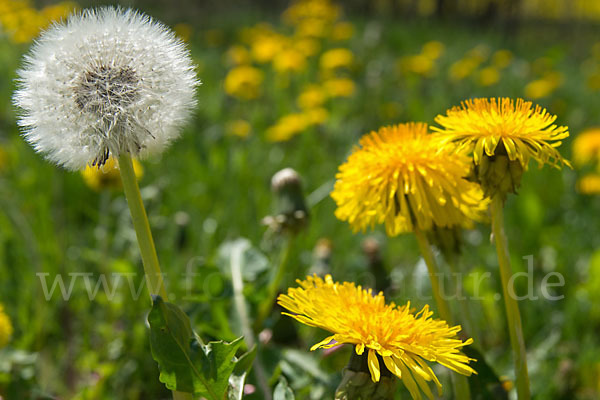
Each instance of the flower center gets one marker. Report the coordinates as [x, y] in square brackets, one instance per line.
[106, 90]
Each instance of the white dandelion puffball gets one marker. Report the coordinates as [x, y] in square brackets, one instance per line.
[107, 81]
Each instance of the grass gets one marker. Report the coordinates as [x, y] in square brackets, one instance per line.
[51, 222]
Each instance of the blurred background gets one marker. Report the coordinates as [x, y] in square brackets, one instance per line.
[295, 84]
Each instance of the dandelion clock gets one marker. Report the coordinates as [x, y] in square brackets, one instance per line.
[105, 83]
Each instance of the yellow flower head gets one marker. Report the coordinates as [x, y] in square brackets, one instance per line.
[289, 60]
[405, 341]
[312, 96]
[336, 58]
[586, 147]
[589, 184]
[339, 87]
[239, 127]
[515, 128]
[108, 176]
[403, 177]
[342, 31]
[244, 82]
[287, 127]
[6, 328]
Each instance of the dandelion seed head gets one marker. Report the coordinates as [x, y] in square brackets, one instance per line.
[105, 82]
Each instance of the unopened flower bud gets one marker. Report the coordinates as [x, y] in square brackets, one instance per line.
[291, 213]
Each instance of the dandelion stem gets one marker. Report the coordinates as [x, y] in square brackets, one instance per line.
[512, 308]
[466, 318]
[154, 277]
[434, 275]
[144, 236]
[240, 305]
[460, 384]
[266, 306]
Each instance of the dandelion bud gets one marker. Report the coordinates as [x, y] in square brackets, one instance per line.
[291, 213]
[105, 83]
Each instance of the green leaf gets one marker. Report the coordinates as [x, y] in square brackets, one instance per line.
[238, 377]
[485, 385]
[185, 364]
[283, 390]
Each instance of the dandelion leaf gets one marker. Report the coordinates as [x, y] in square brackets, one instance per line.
[185, 364]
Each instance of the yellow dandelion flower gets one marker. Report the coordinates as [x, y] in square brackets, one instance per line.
[311, 9]
[239, 127]
[342, 31]
[403, 177]
[108, 175]
[266, 46]
[316, 116]
[336, 58]
[244, 82]
[539, 88]
[489, 76]
[312, 96]
[418, 64]
[6, 328]
[307, 46]
[589, 184]
[502, 58]
[403, 340]
[313, 28]
[433, 49]
[287, 127]
[339, 87]
[515, 128]
[289, 60]
[58, 11]
[237, 55]
[586, 147]
[183, 31]
[463, 68]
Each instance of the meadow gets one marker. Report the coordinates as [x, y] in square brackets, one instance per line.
[284, 88]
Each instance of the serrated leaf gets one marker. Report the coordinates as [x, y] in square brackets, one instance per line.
[283, 391]
[185, 364]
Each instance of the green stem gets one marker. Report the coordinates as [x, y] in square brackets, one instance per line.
[240, 305]
[434, 275]
[267, 305]
[144, 236]
[466, 316]
[142, 227]
[460, 384]
[513, 316]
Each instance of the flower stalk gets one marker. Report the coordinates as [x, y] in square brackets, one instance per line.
[461, 385]
[513, 316]
[267, 305]
[154, 277]
[152, 272]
